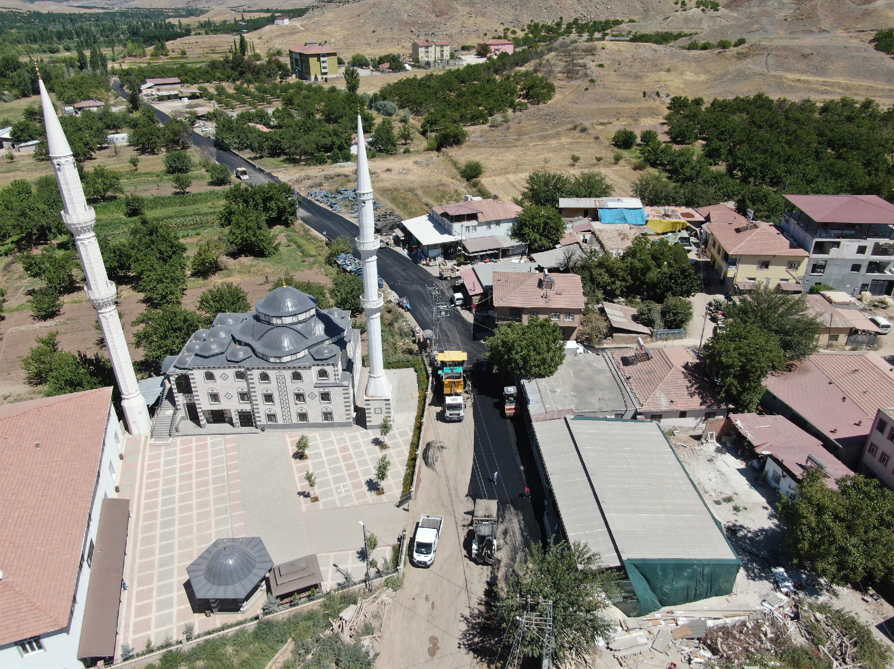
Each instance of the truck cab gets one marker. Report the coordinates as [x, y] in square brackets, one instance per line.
[454, 408]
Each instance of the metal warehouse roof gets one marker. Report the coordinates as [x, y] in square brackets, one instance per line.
[622, 484]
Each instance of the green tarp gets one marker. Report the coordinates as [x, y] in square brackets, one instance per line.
[660, 583]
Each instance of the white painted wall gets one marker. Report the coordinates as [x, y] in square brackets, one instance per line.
[61, 647]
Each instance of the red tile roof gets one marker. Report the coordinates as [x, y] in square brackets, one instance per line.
[471, 282]
[163, 81]
[837, 392]
[664, 382]
[524, 291]
[486, 210]
[761, 239]
[722, 213]
[831, 316]
[845, 208]
[45, 499]
[788, 443]
[89, 103]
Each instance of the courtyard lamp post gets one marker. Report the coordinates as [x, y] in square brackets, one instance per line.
[365, 554]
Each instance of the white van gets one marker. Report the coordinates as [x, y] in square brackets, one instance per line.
[883, 323]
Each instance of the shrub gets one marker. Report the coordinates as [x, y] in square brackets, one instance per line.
[181, 182]
[385, 108]
[739, 42]
[472, 169]
[270, 605]
[134, 205]
[649, 314]
[676, 312]
[127, 652]
[624, 139]
[178, 162]
[618, 157]
[218, 175]
[724, 44]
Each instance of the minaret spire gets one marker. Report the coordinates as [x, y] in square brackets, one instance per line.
[378, 386]
[80, 218]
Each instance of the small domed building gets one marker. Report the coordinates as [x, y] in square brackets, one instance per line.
[288, 365]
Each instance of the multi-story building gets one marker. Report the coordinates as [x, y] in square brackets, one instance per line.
[878, 454]
[287, 365]
[747, 253]
[312, 60]
[558, 297]
[431, 52]
[850, 239]
[281, 21]
[64, 531]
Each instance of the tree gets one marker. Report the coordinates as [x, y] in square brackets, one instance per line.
[471, 169]
[676, 312]
[544, 188]
[452, 134]
[589, 184]
[161, 285]
[593, 328]
[649, 314]
[61, 372]
[843, 535]
[218, 175]
[206, 261]
[352, 79]
[302, 445]
[134, 161]
[164, 332]
[384, 140]
[178, 162]
[655, 190]
[359, 60]
[311, 479]
[537, 89]
[224, 298]
[177, 134]
[405, 134]
[134, 205]
[540, 228]
[532, 350]
[274, 201]
[46, 303]
[181, 182]
[101, 182]
[54, 266]
[624, 139]
[742, 355]
[133, 100]
[247, 234]
[786, 317]
[573, 579]
[383, 464]
[346, 291]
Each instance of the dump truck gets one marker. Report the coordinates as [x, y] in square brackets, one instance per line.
[509, 397]
[453, 383]
[426, 541]
[484, 524]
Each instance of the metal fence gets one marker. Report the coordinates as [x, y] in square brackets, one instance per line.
[662, 335]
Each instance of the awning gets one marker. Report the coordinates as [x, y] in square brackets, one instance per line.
[100, 629]
[426, 232]
[151, 388]
[295, 575]
[471, 282]
[629, 216]
[482, 244]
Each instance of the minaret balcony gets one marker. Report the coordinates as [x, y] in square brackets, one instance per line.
[375, 303]
[371, 245]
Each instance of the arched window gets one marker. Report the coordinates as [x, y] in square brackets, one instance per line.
[271, 417]
[240, 376]
[264, 377]
[302, 416]
[323, 374]
[209, 376]
[296, 376]
[327, 416]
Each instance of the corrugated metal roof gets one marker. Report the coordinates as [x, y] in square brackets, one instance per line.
[622, 482]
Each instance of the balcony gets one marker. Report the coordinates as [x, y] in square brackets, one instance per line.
[798, 221]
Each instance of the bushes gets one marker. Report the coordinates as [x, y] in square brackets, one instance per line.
[472, 169]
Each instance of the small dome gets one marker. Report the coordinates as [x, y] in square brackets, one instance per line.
[286, 301]
[229, 564]
[200, 335]
[192, 346]
[280, 341]
[213, 346]
[239, 353]
[219, 332]
[182, 361]
[227, 319]
[324, 352]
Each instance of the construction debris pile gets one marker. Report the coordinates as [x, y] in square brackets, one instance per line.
[387, 221]
[736, 643]
[344, 200]
[351, 621]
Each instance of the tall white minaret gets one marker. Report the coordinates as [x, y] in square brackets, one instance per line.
[367, 243]
[81, 219]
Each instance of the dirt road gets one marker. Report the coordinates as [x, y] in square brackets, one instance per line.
[425, 623]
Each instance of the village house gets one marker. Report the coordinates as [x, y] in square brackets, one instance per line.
[281, 21]
[88, 105]
[849, 238]
[495, 47]
[484, 223]
[834, 395]
[786, 451]
[431, 52]
[877, 460]
[312, 60]
[559, 297]
[745, 254]
[668, 385]
[841, 326]
[624, 328]
[64, 532]
[627, 210]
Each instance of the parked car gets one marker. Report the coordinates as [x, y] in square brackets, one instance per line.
[783, 582]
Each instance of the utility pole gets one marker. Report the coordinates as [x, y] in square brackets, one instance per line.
[533, 622]
[366, 554]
